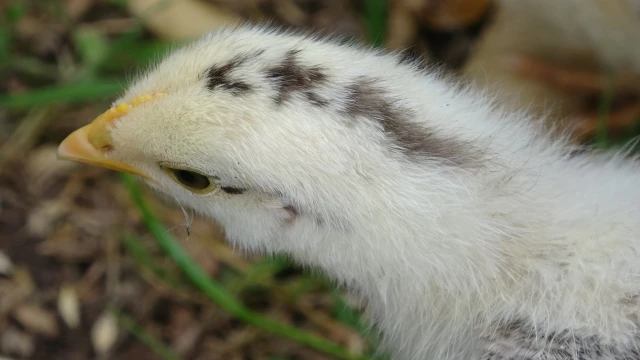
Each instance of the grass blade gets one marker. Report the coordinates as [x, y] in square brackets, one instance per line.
[75, 92]
[216, 292]
[162, 350]
[376, 18]
[141, 257]
[604, 109]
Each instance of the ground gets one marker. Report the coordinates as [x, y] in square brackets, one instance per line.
[81, 274]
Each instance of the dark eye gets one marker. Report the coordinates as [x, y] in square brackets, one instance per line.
[192, 180]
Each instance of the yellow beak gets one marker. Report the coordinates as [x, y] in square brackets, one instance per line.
[76, 147]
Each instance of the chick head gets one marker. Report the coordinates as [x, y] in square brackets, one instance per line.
[250, 128]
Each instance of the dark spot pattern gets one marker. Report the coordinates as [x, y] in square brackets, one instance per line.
[293, 213]
[334, 221]
[316, 100]
[232, 190]
[290, 77]
[368, 100]
[219, 77]
[518, 341]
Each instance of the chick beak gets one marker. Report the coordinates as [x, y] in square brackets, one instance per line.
[76, 147]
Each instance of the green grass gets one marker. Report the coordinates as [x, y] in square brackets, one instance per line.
[604, 109]
[101, 68]
[376, 20]
[77, 92]
[157, 346]
[602, 138]
[216, 292]
[102, 64]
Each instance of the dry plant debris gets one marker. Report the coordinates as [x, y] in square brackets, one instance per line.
[590, 86]
[166, 19]
[69, 267]
[442, 31]
[63, 260]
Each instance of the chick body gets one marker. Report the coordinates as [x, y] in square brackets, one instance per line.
[467, 230]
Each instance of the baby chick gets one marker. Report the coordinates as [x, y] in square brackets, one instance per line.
[468, 231]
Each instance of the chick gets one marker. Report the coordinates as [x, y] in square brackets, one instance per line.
[467, 230]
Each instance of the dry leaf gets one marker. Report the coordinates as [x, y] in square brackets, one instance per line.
[77, 8]
[104, 333]
[69, 306]
[187, 340]
[437, 30]
[42, 220]
[22, 277]
[585, 85]
[620, 120]
[167, 19]
[570, 78]
[403, 26]
[66, 245]
[289, 10]
[6, 266]
[16, 342]
[114, 26]
[454, 14]
[36, 319]
[44, 168]
[12, 295]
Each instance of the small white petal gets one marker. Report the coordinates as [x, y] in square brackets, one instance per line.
[6, 266]
[69, 306]
[104, 333]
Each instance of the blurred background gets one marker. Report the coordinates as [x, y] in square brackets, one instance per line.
[86, 273]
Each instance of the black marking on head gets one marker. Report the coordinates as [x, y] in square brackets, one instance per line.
[315, 99]
[290, 77]
[219, 76]
[368, 100]
[232, 190]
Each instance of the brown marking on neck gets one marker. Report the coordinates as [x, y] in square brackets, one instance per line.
[366, 99]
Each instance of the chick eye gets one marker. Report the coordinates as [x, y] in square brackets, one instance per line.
[192, 180]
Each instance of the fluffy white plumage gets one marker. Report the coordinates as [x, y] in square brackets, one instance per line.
[468, 232]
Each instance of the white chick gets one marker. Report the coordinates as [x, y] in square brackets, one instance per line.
[468, 231]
